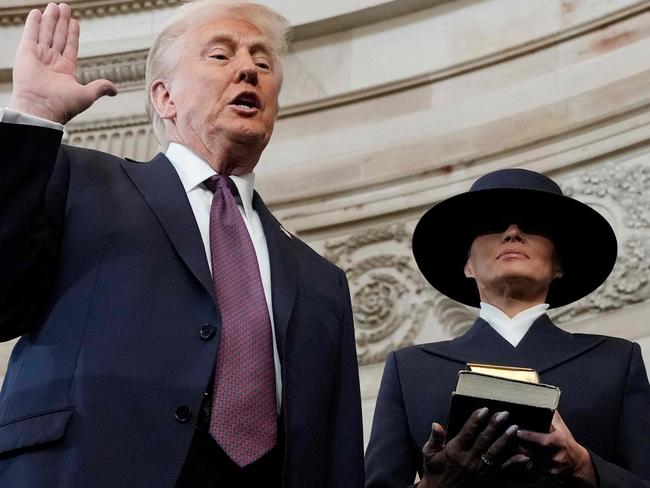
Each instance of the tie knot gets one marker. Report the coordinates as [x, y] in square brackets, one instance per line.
[220, 182]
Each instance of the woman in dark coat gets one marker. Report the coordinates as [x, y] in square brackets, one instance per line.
[514, 246]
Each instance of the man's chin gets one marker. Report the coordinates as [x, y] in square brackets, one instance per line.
[248, 135]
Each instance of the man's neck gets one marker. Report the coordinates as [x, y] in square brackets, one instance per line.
[226, 158]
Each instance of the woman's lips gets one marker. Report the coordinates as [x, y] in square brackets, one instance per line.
[512, 255]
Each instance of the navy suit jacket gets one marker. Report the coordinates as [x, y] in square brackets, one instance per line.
[605, 399]
[105, 277]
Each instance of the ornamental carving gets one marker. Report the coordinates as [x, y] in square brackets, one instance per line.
[622, 189]
[390, 298]
[85, 9]
[129, 136]
[125, 70]
[629, 283]
[626, 185]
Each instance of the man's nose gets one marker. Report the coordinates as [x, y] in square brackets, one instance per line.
[513, 233]
[246, 70]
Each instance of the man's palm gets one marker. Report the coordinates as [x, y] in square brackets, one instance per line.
[44, 70]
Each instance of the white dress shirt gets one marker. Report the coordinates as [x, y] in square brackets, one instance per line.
[193, 171]
[515, 328]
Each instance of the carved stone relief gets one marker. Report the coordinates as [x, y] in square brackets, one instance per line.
[84, 9]
[130, 137]
[123, 69]
[390, 298]
[623, 190]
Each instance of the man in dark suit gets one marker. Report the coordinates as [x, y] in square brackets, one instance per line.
[173, 333]
[515, 246]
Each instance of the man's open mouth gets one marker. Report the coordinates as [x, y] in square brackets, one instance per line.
[246, 100]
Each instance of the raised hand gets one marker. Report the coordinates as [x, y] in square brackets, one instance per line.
[480, 447]
[44, 82]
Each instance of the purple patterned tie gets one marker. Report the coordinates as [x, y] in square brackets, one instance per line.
[243, 420]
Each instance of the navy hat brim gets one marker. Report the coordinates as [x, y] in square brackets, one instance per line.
[584, 240]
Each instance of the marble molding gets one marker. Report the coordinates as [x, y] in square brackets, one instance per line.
[130, 136]
[390, 298]
[620, 191]
[126, 70]
[84, 9]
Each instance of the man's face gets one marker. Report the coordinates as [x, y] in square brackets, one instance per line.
[225, 87]
[512, 260]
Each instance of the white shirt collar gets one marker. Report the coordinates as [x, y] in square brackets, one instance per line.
[193, 171]
[515, 328]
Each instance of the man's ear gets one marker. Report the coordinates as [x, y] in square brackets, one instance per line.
[160, 96]
[469, 271]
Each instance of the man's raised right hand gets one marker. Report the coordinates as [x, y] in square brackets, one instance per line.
[44, 82]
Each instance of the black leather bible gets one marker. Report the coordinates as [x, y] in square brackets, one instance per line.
[530, 405]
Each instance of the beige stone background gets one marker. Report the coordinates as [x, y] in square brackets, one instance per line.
[391, 105]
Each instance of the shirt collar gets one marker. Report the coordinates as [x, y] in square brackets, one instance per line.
[512, 329]
[193, 171]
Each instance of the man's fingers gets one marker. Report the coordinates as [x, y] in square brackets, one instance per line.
[61, 31]
[48, 25]
[472, 428]
[32, 26]
[72, 41]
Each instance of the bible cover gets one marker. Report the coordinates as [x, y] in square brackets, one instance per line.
[531, 406]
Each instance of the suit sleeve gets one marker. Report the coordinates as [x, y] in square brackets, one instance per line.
[32, 200]
[346, 451]
[631, 469]
[391, 458]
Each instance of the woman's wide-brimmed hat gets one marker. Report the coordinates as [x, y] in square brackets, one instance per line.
[584, 241]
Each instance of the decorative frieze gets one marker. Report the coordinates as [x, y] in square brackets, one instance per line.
[130, 136]
[85, 9]
[124, 69]
[390, 298]
[622, 189]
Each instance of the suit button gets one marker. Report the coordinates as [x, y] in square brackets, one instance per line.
[206, 332]
[183, 413]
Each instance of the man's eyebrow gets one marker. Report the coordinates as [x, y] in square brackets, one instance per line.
[257, 44]
[220, 38]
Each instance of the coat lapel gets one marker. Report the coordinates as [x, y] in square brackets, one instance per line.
[481, 344]
[546, 346]
[283, 258]
[543, 347]
[161, 187]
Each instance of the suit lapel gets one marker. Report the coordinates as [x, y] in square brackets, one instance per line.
[543, 347]
[283, 258]
[481, 344]
[161, 187]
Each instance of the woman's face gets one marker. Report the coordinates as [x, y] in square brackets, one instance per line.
[512, 261]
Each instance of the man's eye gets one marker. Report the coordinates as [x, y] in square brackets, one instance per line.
[221, 57]
[263, 65]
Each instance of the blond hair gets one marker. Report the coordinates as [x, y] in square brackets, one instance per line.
[164, 53]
